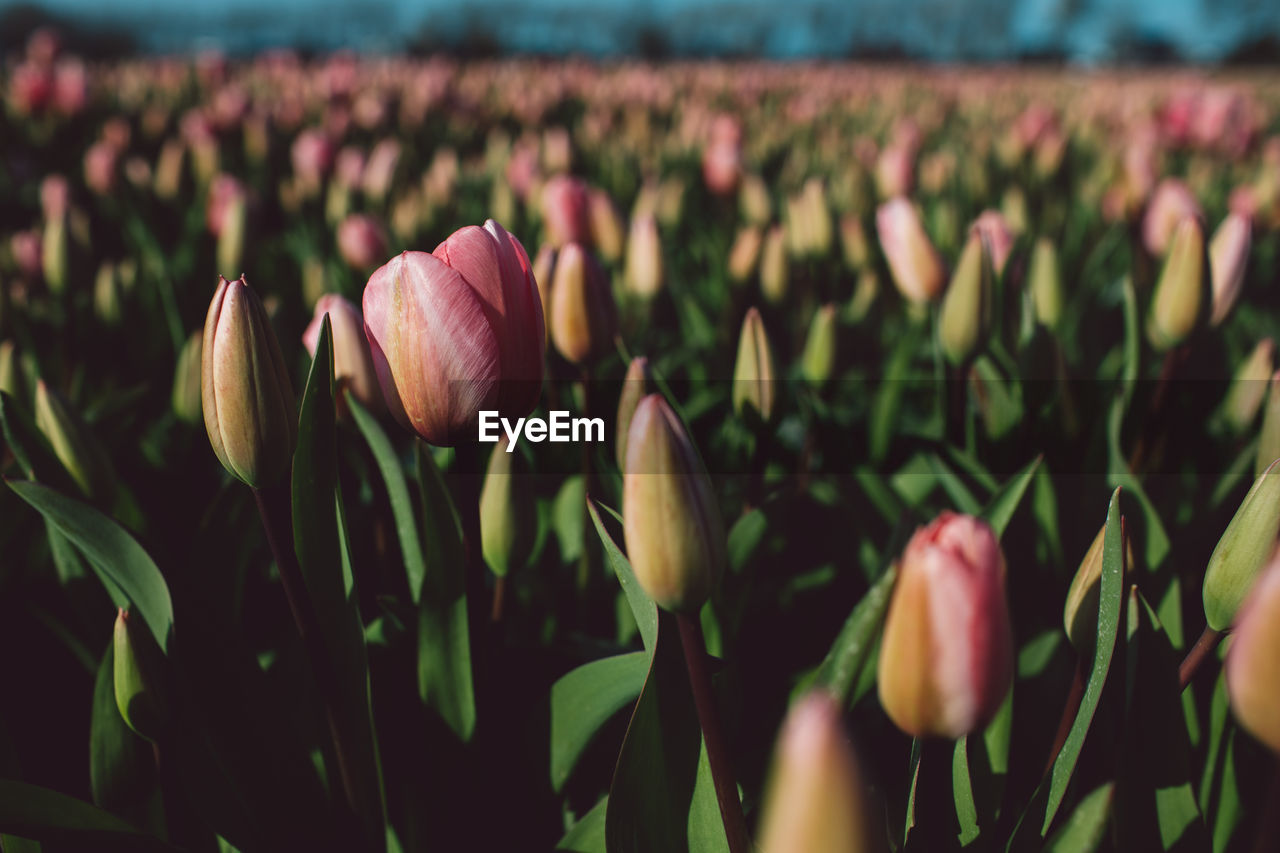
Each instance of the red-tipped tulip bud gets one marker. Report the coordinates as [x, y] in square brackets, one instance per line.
[1228, 258]
[946, 658]
[1253, 667]
[362, 242]
[965, 319]
[135, 678]
[644, 273]
[1242, 551]
[1184, 293]
[914, 263]
[1249, 387]
[1044, 280]
[637, 384]
[75, 445]
[248, 401]
[816, 801]
[754, 372]
[674, 532]
[352, 361]
[583, 318]
[186, 380]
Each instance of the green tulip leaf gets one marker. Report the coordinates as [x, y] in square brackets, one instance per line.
[585, 699]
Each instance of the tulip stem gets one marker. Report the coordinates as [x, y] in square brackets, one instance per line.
[277, 521]
[1207, 643]
[695, 656]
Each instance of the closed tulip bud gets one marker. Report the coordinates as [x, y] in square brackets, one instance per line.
[754, 201]
[504, 511]
[1170, 205]
[674, 533]
[55, 254]
[1253, 667]
[74, 445]
[853, 242]
[135, 676]
[637, 384]
[754, 373]
[362, 242]
[247, 400]
[914, 263]
[946, 657]
[606, 225]
[1249, 387]
[1184, 292]
[819, 359]
[231, 234]
[168, 172]
[1044, 280]
[380, 172]
[775, 277]
[1242, 551]
[816, 801]
[965, 319]
[106, 295]
[583, 318]
[895, 171]
[1080, 614]
[644, 274]
[10, 370]
[1228, 258]
[995, 229]
[566, 211]
[744, 253]
[312, 157]
[186, 380]
[353, 368]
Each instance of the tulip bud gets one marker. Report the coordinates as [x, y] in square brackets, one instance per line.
[74, 445]
[606, 225]
[135, 673]
[362, 242]
[670, 202]
[853, 242]
[1243, 550]
[946, 657]
[637, 384]
[965, 319]
[566, 211]
[816, 800]
[1184, 292]
[995, 229]
[106, 295]
[819, 358]
[744, 253]
[674, 533]
[168, 172]
[54, 254]
[754, 201]
[1080, 614]
[10, 370]
[1228, 258]
[353, 368]
[1171, 203]
[1045, 283]
[248, 402]
[186, 380]
[774, 273]
[914, 263]
[1249, 388]
[644, 274]
[583, 318]
[753, 373]
[1253, 667]
[504, 516]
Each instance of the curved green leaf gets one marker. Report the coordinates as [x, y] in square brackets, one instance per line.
[587, 835]
[1004, 503]
[646, 612]
[583, 700]
[848, 655]
[116, 556]
[1084, 830]
[30, 811]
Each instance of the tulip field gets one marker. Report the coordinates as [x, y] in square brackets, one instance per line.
[425, 454]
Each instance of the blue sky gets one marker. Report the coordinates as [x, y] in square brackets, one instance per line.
[1087, 31]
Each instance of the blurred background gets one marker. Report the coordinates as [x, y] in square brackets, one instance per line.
[1076, 31]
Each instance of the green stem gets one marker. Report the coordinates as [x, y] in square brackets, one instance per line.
[695, 655]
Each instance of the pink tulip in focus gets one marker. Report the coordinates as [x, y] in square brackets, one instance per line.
[352, 362]
[946, 658]
[913, 261]
[1171, 203]
[566, 210]
[457, 331]
[362, 241]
